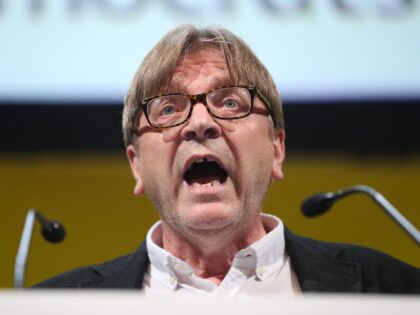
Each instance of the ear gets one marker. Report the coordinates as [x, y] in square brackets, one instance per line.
[133, 158]
[279, 154]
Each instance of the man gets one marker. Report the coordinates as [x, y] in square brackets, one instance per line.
[204, 132]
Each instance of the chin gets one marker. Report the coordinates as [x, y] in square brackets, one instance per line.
[209, 217]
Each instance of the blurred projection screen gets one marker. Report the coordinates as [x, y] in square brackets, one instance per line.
[71, 51]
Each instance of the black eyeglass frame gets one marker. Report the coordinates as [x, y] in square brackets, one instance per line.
[202, 98]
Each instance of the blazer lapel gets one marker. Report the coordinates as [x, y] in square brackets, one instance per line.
[126, 272]
[319, 268]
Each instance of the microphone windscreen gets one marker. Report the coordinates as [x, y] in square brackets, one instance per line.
[53, 232]
[317, 204]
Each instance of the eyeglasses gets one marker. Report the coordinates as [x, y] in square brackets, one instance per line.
[170, 110]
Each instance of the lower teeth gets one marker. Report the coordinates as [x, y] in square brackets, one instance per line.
[209, 184]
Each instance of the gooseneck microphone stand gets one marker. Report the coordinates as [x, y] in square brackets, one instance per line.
[319, 203]
[52, 231]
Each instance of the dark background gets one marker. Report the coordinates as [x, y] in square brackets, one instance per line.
[360, 127]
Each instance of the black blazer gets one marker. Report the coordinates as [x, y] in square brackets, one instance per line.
[319, 266]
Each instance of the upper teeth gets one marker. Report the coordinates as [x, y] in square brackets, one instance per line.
[203, 160]
[200, 160]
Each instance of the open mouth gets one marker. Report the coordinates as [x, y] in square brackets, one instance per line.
[205, 173]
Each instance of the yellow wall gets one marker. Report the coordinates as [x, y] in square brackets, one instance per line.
[92, 195]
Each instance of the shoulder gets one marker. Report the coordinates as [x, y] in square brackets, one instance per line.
[122, 272]
[377, 272]
[382, 272]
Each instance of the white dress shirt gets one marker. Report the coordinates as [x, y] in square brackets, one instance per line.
[262, 268]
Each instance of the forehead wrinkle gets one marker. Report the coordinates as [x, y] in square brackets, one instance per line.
[208, 66]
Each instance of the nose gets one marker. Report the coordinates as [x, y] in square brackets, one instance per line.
[201, 125]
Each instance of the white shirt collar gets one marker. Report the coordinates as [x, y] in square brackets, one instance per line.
[261, 258]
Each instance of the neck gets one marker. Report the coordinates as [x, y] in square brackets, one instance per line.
[209, 253]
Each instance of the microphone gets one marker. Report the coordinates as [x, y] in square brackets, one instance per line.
[320, 203]
[52, 231]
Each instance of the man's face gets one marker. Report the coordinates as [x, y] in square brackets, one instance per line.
[207, 174]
